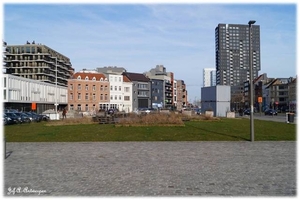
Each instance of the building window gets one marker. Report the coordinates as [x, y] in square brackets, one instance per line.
[94, 78]
[94, 96]
[120, 88]
[105, 97]
[111, 88]
[116, 97]
[71, 86]
[120, 97]
[4, 94]
[86, 87]
[126, 98]
[111, 97]
[101, 87]
[79, 77]
[71, 96]
[79, 107]
[79, 86]
[127, 89]
[86, 96]
[101, 97]
[120, 79]
[86, 107]
[116, 88]
[79, 96]
[94, 87]
[71, 107]
[105, 88]
[101, 79]
[86, 78]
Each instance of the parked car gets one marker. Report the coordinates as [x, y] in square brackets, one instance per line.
[34, 117]
[7, 120]
[14, 117]
[270, 112]
[23, 117]
[247, 112]
[45, 117]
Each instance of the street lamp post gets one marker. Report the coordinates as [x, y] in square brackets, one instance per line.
[250, 23]
[56, 104]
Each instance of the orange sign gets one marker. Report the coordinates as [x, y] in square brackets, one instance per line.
[33, 106]
[259, 99]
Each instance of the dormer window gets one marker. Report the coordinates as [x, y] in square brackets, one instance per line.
[101, 79]
[105, 79]
[94, 78]
[86, 78]
[79, 77]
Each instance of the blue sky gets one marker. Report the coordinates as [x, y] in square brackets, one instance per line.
[139, 36]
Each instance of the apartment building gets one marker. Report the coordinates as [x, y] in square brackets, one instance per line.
[38, 62]
[127, 95]
[181, 95]
[89, 92]
[232, 55]
[141, 90]
[208, 79]
[164, 96]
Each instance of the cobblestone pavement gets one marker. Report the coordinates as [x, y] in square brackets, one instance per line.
[150, 169]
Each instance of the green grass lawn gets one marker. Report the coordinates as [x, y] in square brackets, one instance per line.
[218, 130]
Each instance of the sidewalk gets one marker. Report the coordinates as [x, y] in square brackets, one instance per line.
[151, 169]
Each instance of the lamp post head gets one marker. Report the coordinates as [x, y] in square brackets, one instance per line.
[251, 22]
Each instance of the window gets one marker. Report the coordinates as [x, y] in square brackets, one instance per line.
[71, 86]
[115, 79]
[120, 88]
[86, 87]
[116, 88]
[101, 97]
[86, 107]
[86, 96]
[71, 96]
[105, 97]
[120, 79]
[79, 96]
[120, 97]
[79, 86]
[111, 97]
[86, 78]
[116, 97]
[79, 77]
[105, 89]
[94, 78]
[111, 88]
[94, 96]
[127, 89]
[101, 79]
[71, 107]
[94, 87]
[126, 98]
[101, 87]
[79, 107]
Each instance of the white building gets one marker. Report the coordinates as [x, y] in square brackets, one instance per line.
[116, 91]
[127, 95]
[20, 93]
[209, 77]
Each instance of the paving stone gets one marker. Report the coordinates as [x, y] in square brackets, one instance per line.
[151, 169]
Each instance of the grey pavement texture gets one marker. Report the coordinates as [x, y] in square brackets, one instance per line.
[151, 169]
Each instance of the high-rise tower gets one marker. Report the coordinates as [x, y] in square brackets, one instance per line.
[232, 54]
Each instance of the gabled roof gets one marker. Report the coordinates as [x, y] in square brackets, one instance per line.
[136, 77]
[126, 79]
[90, 76]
